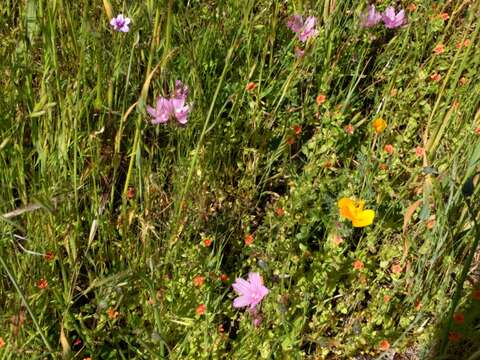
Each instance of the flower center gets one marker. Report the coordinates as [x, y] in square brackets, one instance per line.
[255, 296]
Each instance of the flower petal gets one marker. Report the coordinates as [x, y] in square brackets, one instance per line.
[255, 279]
[241, 301]
[363, 219]
[241, 286]
[346, 207]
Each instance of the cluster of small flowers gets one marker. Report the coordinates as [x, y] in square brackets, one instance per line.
[390, 19]
[166, 109]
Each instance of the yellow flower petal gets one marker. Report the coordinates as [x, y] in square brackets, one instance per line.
[364, 218]
[379, 125]
[347, 207]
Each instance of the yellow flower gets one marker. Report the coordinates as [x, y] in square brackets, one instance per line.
[379, 125]
[353, 210]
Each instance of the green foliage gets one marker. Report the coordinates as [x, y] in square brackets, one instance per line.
[113, 212]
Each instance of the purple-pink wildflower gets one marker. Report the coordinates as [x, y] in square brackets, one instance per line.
[120, 23]
[371, 17]
[304, 30]
[162, 112]
[250, 292]
[392, 20]
[174, 107]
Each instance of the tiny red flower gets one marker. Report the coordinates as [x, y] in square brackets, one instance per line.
[320, 99]
[477, 130]
[383, 167]
[411, 7]
[248, 239]
[436, 76]
[77, 342]
[297, 129]
[458, 318]
[388, 149]
[387, 298]
[200, 310]
[224, 277]
[112, 313]
[290, 141]
[358, 265]
[130, 192]
[454, 336]
[349, 129]
[396, 269]
[250, 86]
[384, 345]
[279, 211]
[207, 242]
[198, 281]
[419, 151]
[439, 48]
[2, 342]
[49, 256]
[42, 284]
[444, 16]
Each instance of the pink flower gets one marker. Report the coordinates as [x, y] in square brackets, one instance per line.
[250, 292]
[174, 107]
[295, 23]
[371, 17]
[304, 30]
[120, 23]
[162, 112]
[392, 20]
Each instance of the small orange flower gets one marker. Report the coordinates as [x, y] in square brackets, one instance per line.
[462, 81]
[198, 281]
[358, 265]
[419, 151]
[384, 345]
[476, 294]
[49, 256]
[42, 284]
[467, 42]
[290, 141]
[207, 242]
[353, 210]
[2, 342]
[439, 48]
[224, 277]
[320, 99]
[221, 329]
[393, 92]
[387, 298]
[250, 86]
[396, 269]
[130, 192]
[349, 129]
[477, 130]
[411, 7]
[388, 149]
[383, 166]
[297, 129]
[87, 358]
[454, 336]
[248, 239]
[280, 212]
[200, 310]
[379, 125]
[112, 314]
[458, 318]
[444, 16]
[436, 76]
[455, 104]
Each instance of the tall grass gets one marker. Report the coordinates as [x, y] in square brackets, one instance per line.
[113, 211]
